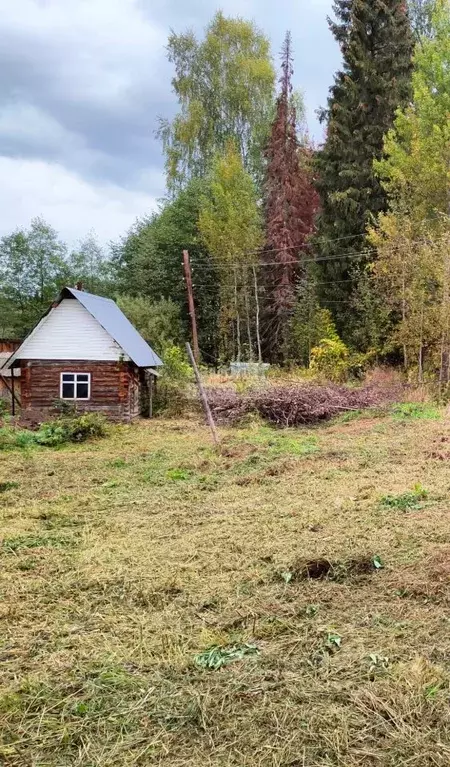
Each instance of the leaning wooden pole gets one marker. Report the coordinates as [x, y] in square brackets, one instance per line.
[191, 304]
[203, 396]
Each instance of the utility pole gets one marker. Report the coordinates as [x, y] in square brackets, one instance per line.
[188, 277]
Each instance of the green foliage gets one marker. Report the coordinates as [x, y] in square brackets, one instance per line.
[412, 239]
[216, 657]
[4, 486]
[158, 322]
[84, 427]
[331, 359]
[89, 266]
[19, 542]
[310, 324]
[416, 411]
[54, 433]
[230, 220]
[376, 43]
[415, 168]
[35, 265]
[149, 265]
[225, 88]
[32, 270]
[333, 641]
[406, 501]
[231, 227]
[176, 367]
[173, 384]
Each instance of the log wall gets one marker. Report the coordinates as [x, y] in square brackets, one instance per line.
[113, 386]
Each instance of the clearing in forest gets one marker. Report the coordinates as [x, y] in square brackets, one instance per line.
[284, 603]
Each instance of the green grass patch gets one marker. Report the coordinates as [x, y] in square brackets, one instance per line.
[410, 411]
[405, 501]
[25, 542]
[4, 486]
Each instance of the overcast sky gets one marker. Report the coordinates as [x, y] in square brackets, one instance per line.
[82, 83]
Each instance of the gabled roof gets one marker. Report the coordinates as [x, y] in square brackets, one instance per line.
[113, 320]
[110, 317]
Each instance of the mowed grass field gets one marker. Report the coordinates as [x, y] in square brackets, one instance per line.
[317, 559]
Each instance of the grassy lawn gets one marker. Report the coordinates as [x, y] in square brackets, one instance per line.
[315, 561]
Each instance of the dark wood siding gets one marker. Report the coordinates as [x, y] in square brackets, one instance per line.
[7, 347]
[112, 386]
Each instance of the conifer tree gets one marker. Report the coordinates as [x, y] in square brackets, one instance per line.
[376, 42]
[291, 205]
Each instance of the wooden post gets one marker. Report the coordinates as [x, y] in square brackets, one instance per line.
[13, 395]
[203, 396]
[150, 395]
[188, 276]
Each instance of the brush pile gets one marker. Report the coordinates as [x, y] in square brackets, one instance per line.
[294, 405]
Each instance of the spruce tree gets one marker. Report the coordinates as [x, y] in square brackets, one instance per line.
[290, 208]
[377, 44]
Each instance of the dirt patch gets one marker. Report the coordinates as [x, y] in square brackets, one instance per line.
[338, 570]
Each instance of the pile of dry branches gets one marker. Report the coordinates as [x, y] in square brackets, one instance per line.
[295, 404]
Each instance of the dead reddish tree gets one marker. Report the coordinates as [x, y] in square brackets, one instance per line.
[291, 205]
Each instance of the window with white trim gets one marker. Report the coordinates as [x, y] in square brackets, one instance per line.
[75, 386]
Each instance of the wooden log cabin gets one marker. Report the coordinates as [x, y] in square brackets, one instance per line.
[85, 352]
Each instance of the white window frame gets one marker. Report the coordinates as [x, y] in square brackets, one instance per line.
[75, 381]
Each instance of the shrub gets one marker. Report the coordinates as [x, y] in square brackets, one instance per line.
[78, 429]
[331, 359]
[176, 366]
[53, 433]
[173, 384]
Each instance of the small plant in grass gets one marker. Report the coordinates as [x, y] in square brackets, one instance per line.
[405, 501]
[377, 662]
[217, 656]
[4, 486]
[177, 475]
[333, 642]
[408, 411]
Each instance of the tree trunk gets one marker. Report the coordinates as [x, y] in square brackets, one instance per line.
[238, 318]
[247, 318]
[258, 335]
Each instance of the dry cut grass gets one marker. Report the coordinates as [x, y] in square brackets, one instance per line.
[291, 553]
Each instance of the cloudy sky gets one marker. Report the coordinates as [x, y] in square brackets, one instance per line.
[82, 83]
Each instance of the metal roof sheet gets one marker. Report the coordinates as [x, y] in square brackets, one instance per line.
[113, 320]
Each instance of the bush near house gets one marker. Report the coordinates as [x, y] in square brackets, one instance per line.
[57, 432]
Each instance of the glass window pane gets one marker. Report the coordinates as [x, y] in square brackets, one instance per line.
[68, 376]
[82, 390]
[68, 390]
[82, 377]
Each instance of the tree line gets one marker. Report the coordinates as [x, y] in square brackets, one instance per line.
[298, 252]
